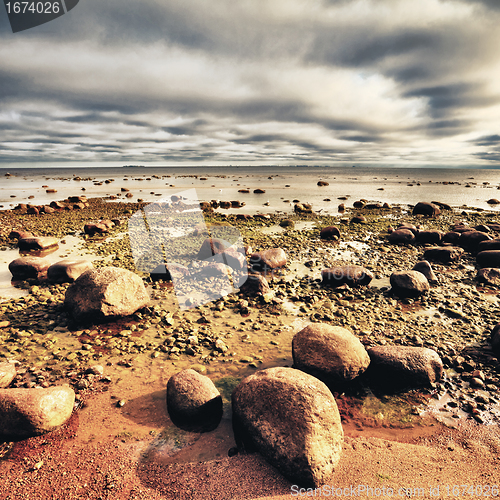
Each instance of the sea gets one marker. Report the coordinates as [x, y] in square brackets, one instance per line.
[458, 187]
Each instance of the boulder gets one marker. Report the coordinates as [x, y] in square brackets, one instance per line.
[302, 208]
[489, 275]
[292, 420]
[330, 233]
[358, 219]
[7, 374]
[95, 228]
[28, 267]
[19, 234]
[433, 237]
[401, 236]
[193, 401]
[212, 246]
[350, 275]
[77, 199]
[359, 204]
[402, 367]
[443, 254]
[451, 237]
[495, 339]
[25, 413]
[67, 270]
[48, 210]
[407, 225]
[287, 223]
[442, 206]
[57, 205]
[426, 208]
[489, 245]
[167, 273]
[488, 258]
[425, 268]
[409, 283]
[470, 240]
[106, 292]
[254, 285]
[37, 244]
[331, 353]
[274, 258]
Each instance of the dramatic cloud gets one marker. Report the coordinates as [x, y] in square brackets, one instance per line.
[254, 81]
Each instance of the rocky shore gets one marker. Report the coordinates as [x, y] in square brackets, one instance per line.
[237, 335]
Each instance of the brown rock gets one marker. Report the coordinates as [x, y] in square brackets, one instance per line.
[488, 258]
[274, 258]
[409, 283]
[425, 268]
[19, 234]
[401, 367]
[28, 267]
[7, 374]
[429, 237]
[350, 275]
[470, 240]
[427, 209]
[37, 244]
[105, 292]
[255, 284]
[211, 247]
[401, 236]
[67, 270]
[443, 254]
[489, 245]
[193, 401]
[95, 228]
[167, 273]
[292, 420]
[26, 413]
[489, 275]
[331, 353]
[495, 339]
[330, 233]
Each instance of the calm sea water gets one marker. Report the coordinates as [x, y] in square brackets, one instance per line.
[455, 186]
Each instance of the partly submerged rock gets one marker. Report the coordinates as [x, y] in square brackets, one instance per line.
[28, 267]
[292, 420]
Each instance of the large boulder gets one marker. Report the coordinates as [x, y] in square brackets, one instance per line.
[7, 374]
[292, 420]
[330, 233]
[350, 275]
[18, 234]
[401, 367]
[255, 284]
[401, 236]
[433, 237]
[105, 292]
[93, 228]
[193, 401]
[443, 254]
[425, 268]
[426, 208]
[489, 275]
[451, 237]
[489, 245]
[25, 413]
[470, 240]
[331, 353]
[274, 258]
[67, 270]
[488, 258]
[409, 283]
[37, 244]
[28, 267]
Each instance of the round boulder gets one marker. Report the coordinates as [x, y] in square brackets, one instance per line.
[25, 413]
[350, 275]
[401, 367]
[101, 293]
[409, 283]
[173, 271]
[330, 233]
[470, 240]
[401, 236]
[193, 401]
[331, 353]
[489, 245]
[292, 420]
[426, 208]
[67, 270]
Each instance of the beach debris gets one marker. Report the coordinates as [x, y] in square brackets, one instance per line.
[193, 401]
[292, 420]
[401, 367]
[105, 292]
[25, 413]
[409, 283]
[28, 267]
[331, 353]
[67, 270]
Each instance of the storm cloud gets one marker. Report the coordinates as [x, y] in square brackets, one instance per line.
[254, 81]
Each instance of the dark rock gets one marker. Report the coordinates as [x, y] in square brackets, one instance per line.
[427, 209]
[443, 254]
[19, 234]
[330, 353]
[255, 284]
[106, 292]
[211, 247]
[451, 237]
[323, 183]
[37, 244]
[373, 206]
[259, 191]
[77, 199]
[425, 268]
[407, 225]
[330, 233]
[292, 420]
[359, 204]
[429, 237]
[237, 204]
[7, 374]
[287, 223]
[488, 258]
[25, 413]
[483, 228]
[493, 201]
[274, 258]
[401, 367]
[489, 245]
[495, 339]
[409, 283]
[58, 205]
[28, 267]
[470, 240]
[193, 401]
[302, 208]
[401, 236]
[166, 273]
[358, 219]
[341, 208]
[95, 228]
[489, 275]
[67, 270]
[350, 275]
[442, 206]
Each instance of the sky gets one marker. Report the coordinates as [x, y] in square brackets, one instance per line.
[242, 82]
